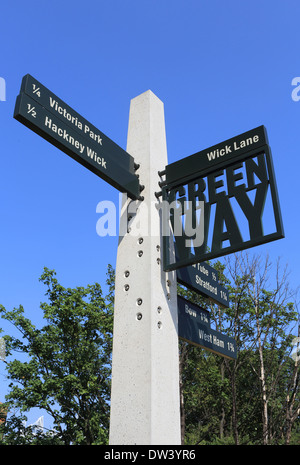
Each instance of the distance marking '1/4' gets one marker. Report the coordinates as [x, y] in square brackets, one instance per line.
[36, 90]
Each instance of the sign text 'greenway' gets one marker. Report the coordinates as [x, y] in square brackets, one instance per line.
[50, 117]
[232, 195]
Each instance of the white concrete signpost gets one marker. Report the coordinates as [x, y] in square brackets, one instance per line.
[145, 402]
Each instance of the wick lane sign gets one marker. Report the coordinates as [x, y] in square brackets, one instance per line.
[215, 156]
[47, 115]
[234, 182]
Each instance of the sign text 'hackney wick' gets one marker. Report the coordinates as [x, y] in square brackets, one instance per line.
[234, 182]
[47, 115]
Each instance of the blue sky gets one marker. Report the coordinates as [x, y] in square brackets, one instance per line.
[221, 68]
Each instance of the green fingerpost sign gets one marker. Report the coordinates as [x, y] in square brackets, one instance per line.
[231, 191]
[47, 115]
[194, 328]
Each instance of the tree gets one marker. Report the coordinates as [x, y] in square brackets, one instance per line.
[255, 398]
[205, 391]
[68, 363]
[264, 320]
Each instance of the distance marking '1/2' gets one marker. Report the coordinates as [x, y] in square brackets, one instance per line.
[31, 110]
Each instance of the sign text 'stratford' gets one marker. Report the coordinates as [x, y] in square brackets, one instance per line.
[203, 279]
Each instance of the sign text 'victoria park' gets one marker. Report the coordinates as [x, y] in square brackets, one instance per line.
[231, 195]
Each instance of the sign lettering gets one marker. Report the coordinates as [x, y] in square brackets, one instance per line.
[203, 279]
[234, 195]
[50, 117]
[194, 327]
[216, 156]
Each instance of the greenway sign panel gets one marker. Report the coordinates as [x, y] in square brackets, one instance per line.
[47, 115]
[194, 328]
[232, 195]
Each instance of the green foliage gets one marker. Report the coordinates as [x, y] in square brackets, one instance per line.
[67, 367]
[224, 400]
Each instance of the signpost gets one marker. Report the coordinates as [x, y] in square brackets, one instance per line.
[194, 327]
[145, 398]
[148, 315]
[234, 181]
[47, 115]
[203, 279]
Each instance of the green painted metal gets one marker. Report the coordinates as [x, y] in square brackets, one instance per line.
[233, 179]
[215, 157]
[203, 278]
[194, 328]
[47, 115]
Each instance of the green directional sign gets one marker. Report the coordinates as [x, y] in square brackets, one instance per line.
[203, 279]
[216, 156]
[187, 312]
[47, 115]
[194, 327]
[231, 196]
